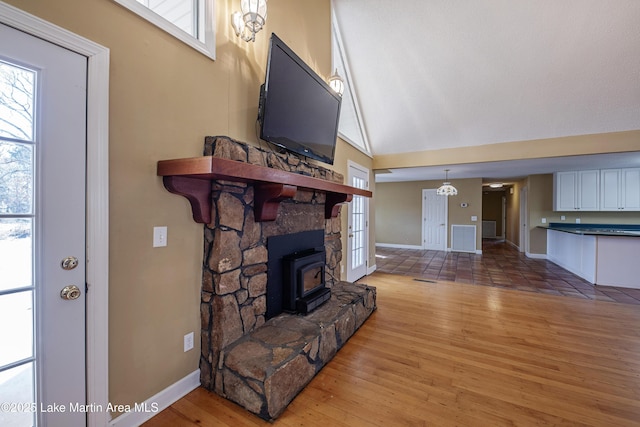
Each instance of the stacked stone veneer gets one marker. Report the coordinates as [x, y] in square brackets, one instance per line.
[234, 281]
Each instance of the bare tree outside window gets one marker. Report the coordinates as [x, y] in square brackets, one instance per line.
[16, 136]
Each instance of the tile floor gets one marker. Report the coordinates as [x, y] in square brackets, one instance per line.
[499, 265]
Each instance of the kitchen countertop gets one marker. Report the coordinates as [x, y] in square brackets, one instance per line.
[628, 230]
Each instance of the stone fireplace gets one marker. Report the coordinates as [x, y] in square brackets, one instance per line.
[258, 362]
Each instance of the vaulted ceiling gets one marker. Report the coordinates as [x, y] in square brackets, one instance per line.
[432, 74]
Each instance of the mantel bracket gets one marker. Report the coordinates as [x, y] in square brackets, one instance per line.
[196, 191]
[268, 197]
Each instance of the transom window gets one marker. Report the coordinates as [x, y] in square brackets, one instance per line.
[191, 21]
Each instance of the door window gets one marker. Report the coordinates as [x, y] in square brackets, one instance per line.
[17, 332]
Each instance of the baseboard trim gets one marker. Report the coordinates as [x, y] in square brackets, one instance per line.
[509, 242]
[371, 269]
[141, 412]
[397, 246]
[536, 256]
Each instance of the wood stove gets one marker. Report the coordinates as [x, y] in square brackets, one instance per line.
[296, 275]
[304, 281]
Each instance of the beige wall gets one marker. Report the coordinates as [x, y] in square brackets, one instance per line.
[164, 99]
[513, 214]
[398, 213]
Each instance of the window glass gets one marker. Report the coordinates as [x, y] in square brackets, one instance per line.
[191, 21]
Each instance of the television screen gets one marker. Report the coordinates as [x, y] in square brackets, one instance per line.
[299, 111]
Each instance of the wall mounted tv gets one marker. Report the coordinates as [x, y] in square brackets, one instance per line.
[298, 110]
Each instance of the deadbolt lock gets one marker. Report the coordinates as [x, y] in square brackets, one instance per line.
[70, 292]
[69, 263]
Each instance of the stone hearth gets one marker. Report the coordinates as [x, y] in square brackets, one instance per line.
[264, 370]
[263, 364]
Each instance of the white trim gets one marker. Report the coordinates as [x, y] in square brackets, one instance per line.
[207, 48]
[349, 85]
[97, 269]
[535, 256]
[394, 245]
[354, 145]
[478, 251]
[509, 242]
[372, 269]
[158, 402]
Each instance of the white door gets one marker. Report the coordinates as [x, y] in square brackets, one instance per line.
[42, 223]
[434, 221]
[358, 235]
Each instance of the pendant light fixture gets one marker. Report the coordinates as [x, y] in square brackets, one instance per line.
[337, 83]
[446, 189]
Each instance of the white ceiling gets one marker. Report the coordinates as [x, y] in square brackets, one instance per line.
[432, 74]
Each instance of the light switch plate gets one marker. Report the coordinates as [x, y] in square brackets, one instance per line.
[544, 220]
[474, 218]
[159, 237]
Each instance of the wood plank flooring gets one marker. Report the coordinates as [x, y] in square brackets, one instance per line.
[453, 354]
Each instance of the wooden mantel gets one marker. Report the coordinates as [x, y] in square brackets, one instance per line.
[192, 178]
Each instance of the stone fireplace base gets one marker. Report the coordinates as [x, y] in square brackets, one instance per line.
[264, 370]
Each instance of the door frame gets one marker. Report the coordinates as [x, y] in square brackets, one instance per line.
[524, 220]
[97, 209]
[424, 218]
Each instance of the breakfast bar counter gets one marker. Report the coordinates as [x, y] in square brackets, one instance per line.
[603, 254]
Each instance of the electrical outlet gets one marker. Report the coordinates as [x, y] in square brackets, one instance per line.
[159, 237]
[188, 341]
[577, 220]
[562, 217]
[544, 220]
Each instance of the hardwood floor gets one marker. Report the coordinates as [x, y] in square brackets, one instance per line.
[454, 354]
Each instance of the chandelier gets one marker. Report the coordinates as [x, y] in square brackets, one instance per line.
[446, 189]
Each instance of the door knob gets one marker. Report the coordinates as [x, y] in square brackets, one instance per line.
[70, 292]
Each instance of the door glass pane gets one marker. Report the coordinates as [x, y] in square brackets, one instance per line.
[16, 177]
[16, 389]
[16, 327]
[16, 102]
[16, 253]
[16, 245]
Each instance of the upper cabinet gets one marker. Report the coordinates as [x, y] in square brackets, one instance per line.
[576, 191]
[620, 189]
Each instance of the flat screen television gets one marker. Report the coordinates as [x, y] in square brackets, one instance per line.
[298, 110]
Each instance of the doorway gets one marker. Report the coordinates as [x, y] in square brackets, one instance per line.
[97, 179]
[358, 224]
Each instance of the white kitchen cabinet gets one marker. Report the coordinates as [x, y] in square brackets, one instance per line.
[574, 252]
[620, 189]
[576, 191]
